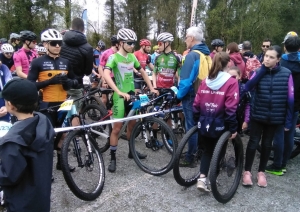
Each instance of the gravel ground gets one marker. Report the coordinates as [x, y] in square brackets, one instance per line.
[130, 189]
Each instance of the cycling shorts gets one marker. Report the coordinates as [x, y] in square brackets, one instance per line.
[120, 107]
[55, 117]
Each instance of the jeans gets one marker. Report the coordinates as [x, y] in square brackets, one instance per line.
[265, 133]
[187, 105]
[283, 143]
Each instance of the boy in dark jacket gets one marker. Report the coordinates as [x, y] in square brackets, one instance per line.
[26, 151]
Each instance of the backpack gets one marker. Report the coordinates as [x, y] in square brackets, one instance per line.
[204, 67]
[251, 65]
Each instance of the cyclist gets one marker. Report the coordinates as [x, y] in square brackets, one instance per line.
[215, 110]
[54, 75]
[2, 41]
[5, 76]
[15, 40]
[103, 60]
[41, 50]
[97, 55]
[122, 64]
[26, 54]
[144, 59]
[155, 53]
[217, 46]
[6, 57]
[166, 64]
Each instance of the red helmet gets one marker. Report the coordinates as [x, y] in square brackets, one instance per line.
[145, 42]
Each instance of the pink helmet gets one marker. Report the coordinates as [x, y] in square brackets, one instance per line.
[145, 42]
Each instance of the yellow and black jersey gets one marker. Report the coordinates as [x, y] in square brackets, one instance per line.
[43, 69]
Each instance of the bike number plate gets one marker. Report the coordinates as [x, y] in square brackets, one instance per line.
[4, 127]
[66, 105]
[144, 99]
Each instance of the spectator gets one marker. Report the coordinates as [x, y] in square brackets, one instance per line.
[236, 58]
[264, 47]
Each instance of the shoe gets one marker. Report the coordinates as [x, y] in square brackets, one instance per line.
[141, 156]
[112, 166]
[159, 144]
[261, 180]
[202, 185]
[71, 168]
[274, 170]
[283, 169]
[247, 181]
[184, 163]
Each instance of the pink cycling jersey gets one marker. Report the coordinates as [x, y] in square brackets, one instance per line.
[104, 57]
[23, 58]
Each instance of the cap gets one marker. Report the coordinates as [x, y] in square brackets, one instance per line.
[20, 91]
[290, 34]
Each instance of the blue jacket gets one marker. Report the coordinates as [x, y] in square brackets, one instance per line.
[190, 69]
[5, 76]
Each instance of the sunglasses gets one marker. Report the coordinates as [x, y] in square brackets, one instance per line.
[265, 46]
[130, 43]
[8, 53]
[34, 42]
[55, 43]
[160, 43]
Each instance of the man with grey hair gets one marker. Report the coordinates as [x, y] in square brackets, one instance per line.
[186, 92]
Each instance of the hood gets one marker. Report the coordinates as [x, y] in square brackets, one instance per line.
[248, 54]
[74, 38]
[202, 48]
[34, 133]
[236, 57]
[218, 82]
[291, 61]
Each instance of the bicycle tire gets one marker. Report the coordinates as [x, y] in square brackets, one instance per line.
[164, 162]
[102, 143]
[78, 190]
[182, 174]
[296, 150]
[96, 100]
[220, 163]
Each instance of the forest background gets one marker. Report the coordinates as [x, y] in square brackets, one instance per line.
[229, 20]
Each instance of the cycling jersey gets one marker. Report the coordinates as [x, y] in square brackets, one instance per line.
[23, 58]
[165, 66]
[104, 57]
[46, 67]
[122, 67]
[97, 56]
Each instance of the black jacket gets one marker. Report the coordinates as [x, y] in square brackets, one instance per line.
[291, 61]
[8, 62]
[26, 153]
[80, 54]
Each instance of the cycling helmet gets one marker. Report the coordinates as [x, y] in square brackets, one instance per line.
[165, 37]
[101, 44]
[217, 42]
[290, 34]
[126, 35]
[114, 39]
[51, 35]
[240, 46]
[3, 40]
[14, 35]
[27, 35]
[41, 49]
[145, 42]
[7, 48]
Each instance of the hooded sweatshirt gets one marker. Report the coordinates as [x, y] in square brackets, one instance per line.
[291, 61]
[26, 153]
[80, 54]
[216, 103]
[189, 70]
[237, 60]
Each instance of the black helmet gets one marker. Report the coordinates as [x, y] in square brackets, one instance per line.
[101, 44]
[3, 40]
[27, 35]
[217, 42]
[114, 39]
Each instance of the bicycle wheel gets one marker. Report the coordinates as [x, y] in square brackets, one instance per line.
[146, 138]
[87, 181]
[95, 113]
[95, 100]
[226, 167]
[187, 175]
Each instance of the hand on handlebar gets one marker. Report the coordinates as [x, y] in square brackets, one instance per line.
[124, 95]
[155, 91]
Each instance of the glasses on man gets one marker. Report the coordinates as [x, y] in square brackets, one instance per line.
[8, 53]
[265, 46]
[160, 43]
[130, 43]
[55, 43]
[34, 41]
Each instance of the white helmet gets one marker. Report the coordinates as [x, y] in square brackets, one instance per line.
[50, 35]
[126, 35]
[165, 37]
[14, 35]
[7, 48]
[41, 49]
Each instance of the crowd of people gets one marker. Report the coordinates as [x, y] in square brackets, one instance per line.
[236, 91]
